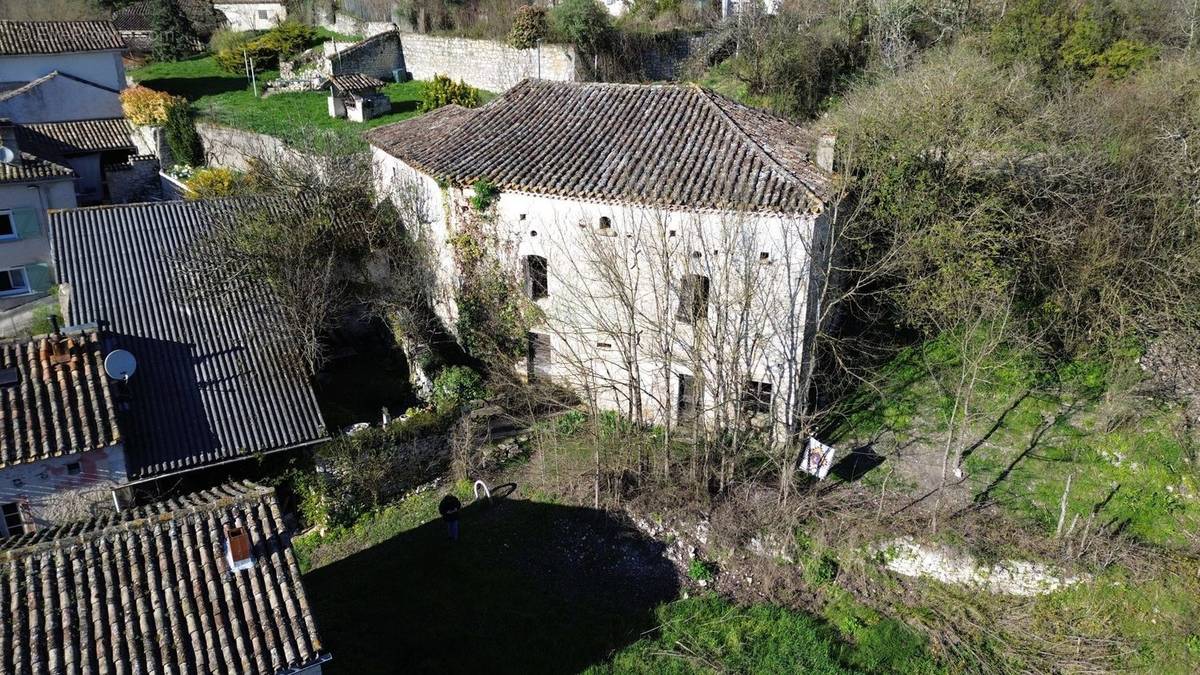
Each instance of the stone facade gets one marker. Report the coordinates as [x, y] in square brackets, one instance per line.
[380, 58]
[486, 64]
[252, 16]
[49, 493]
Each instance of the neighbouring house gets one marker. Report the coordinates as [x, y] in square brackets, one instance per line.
[356, 97]
[667, 234]
[203, 583]
[251, 14]
[214, 382]
[89, 147]
[61, 447]
[30, 185]
[86, 50]
[59, 97]
[135, 22]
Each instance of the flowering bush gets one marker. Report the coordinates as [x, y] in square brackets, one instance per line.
[146, 107]
[213, 182]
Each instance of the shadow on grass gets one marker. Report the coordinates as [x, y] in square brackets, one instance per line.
[528, 588]
[193, 88]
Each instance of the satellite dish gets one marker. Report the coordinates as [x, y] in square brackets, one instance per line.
[120, 364]
[7, 156]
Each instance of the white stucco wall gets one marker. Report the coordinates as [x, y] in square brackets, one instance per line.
[657, 248]
[53, 496]
[250, 17]
[61, 100]
[103, 68]
[27, 251]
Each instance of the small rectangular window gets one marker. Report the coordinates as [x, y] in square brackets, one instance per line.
[537, 284]
[688, 397]
[757, 397]
[262, 14]
[693, 299]
[540, 356]
[13, 282]
[13, 520]
[74, 469]
[8, 228]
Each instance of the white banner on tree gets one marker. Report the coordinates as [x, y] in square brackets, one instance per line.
[817, 459]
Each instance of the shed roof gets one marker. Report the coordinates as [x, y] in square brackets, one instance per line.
[214, 383]
[59, 401]
[150, 590]
[353, 82]
[667, 145]
[77, 137]
[58, 37]
[32, 169]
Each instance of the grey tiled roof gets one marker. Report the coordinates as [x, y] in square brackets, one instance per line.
[150, 591]
[78, 137]
[32, 168]
[353, 82]
[61, 402]
[213, 381]
[672, 145]
[57, 37]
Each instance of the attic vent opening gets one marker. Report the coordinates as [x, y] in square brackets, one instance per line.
[237, 548]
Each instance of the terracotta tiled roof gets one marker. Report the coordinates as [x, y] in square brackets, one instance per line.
[59, 401]
[150, 590]
[214, 381]
[353, 82]
[79, 137]
[32, 168]
[670, 145]
[57, 37]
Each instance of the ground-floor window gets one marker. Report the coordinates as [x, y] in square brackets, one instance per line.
[540, 356]
[13, 520]
[688, 400]
[13, 282]
[757, 397]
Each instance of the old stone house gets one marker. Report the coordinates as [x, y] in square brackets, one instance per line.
[203, 583]
[61, 448]
[667, 235]
[135, 22]
[251, 14]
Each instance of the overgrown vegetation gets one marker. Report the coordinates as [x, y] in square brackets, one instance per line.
[443, 91]
[282, 42]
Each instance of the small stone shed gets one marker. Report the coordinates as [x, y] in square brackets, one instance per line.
[356, 97]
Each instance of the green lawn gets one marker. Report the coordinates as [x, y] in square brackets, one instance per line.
[225, 98]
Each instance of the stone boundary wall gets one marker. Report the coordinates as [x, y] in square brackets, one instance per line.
[485, 64]
[230, 148]
[351, 25]
[134, 181]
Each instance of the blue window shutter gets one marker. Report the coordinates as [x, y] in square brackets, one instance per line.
[38, 277]
[26, 223]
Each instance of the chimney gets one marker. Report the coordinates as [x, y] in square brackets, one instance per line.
[8, 139]
[825, 151]
[237, 548]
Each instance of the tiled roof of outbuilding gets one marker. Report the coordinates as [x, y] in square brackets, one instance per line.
[32, 168]
[667, 145]
[78, 137]
[57, 37]
[353, 82]
[214, 382]
[149, 590]
[60, 402]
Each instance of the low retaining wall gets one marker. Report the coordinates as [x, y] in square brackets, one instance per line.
[230, 148]
[485, 64]
[134, 181]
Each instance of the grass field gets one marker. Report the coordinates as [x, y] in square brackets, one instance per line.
[225, 98]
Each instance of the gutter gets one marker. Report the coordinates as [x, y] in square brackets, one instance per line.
[231, 460]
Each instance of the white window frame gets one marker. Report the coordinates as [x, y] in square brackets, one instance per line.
[26, 290]
[12, 223]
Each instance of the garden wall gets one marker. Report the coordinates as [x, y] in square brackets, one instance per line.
[135, 181]
[230, 148]
[485, 64]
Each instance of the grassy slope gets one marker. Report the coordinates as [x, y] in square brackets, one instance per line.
[226, 98]
[1085, 420]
